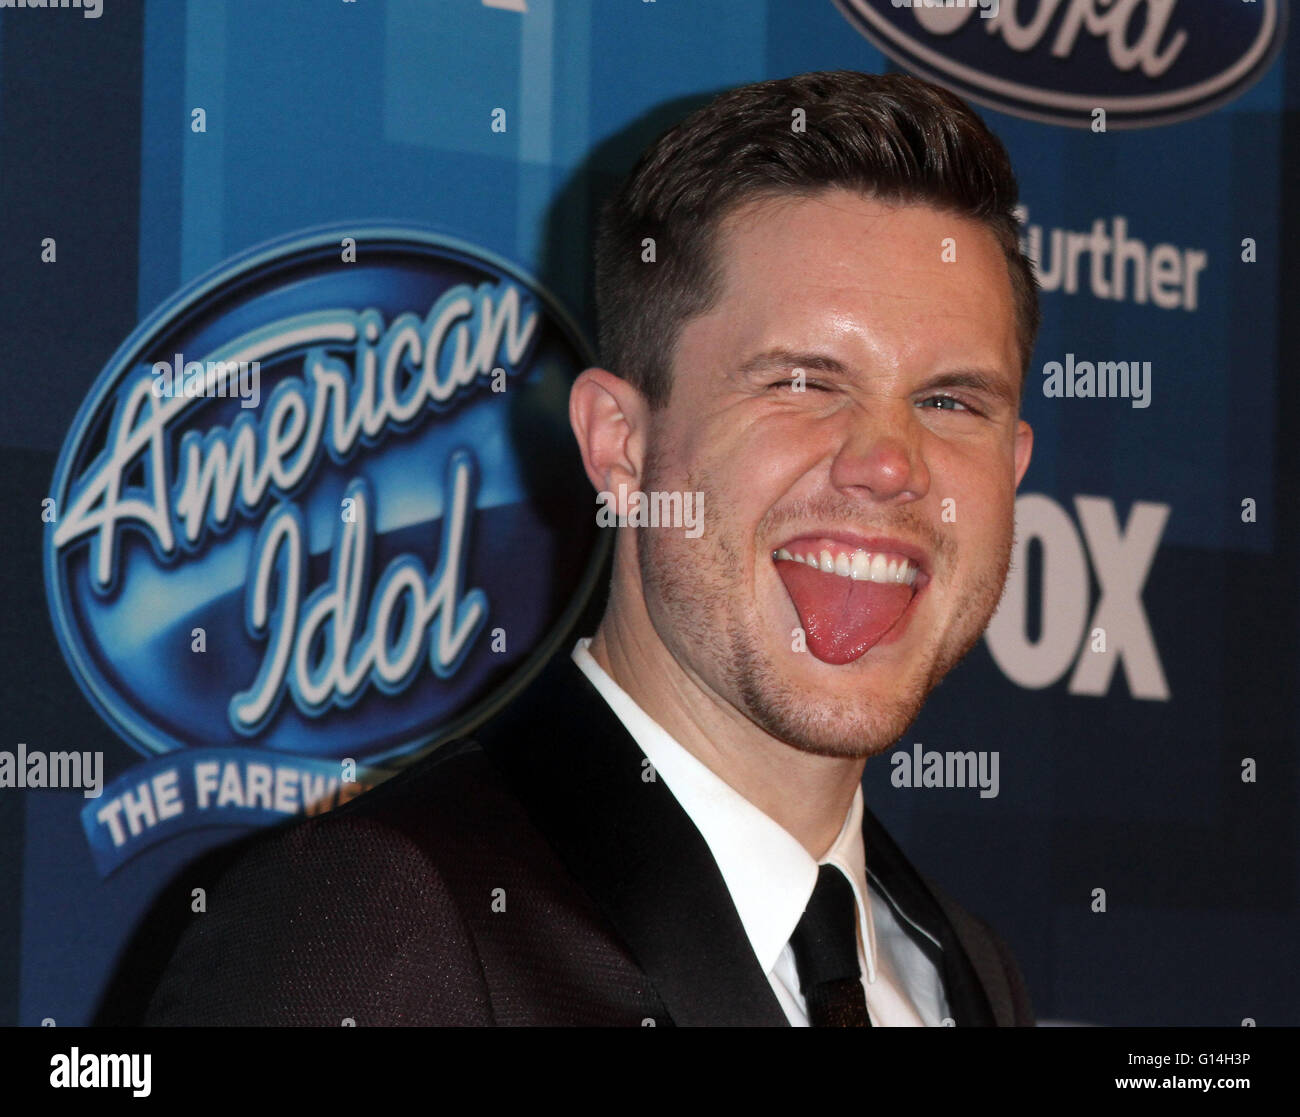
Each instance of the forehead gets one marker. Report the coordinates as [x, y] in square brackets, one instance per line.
[905, 281]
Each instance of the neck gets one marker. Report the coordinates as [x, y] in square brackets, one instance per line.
[807, 794]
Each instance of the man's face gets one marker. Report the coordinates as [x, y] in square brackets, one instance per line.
[904, 441]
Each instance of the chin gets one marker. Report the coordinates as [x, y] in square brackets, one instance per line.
[858, 737]
[797, 699]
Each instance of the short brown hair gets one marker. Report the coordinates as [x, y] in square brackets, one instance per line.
[892, 136]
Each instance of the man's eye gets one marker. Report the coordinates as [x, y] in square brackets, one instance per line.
[804, 385]
[942, 401]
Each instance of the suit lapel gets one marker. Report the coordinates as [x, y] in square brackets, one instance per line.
[632, 847]
[926, 924]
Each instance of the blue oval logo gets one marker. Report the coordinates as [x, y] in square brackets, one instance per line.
[1146, 62]
[325, 502]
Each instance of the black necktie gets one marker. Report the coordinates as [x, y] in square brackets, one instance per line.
[825, 948]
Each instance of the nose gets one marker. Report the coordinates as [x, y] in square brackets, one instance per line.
[880, 452]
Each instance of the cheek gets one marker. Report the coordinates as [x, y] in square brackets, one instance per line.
[979, 480]
[974, 510]
[773, 456]
[983, 545]
[744, 470]
[983, 516]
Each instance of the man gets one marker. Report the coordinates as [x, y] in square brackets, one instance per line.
[815, 315]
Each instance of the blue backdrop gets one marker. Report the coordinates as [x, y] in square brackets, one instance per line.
[1159, 768]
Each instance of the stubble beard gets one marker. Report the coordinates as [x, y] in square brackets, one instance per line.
[690, 593]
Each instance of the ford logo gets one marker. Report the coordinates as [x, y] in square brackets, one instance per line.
[1145, 62]
[323, 504]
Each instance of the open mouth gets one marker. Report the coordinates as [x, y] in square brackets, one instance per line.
[851, 593]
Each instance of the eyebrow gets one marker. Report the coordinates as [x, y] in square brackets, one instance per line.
[770, 360]
[978, 380]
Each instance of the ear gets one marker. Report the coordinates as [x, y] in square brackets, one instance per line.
[608, 416]
[1024, 449]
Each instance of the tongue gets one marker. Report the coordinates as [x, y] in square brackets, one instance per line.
[842, 617]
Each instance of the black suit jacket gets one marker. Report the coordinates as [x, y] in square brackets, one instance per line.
[528, 875]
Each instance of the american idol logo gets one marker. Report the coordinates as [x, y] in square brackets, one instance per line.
[279, 595]
[1145, 62]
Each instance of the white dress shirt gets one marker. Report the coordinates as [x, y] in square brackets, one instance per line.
[770, 876]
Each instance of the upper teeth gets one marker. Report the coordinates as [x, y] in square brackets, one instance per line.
[861, 566]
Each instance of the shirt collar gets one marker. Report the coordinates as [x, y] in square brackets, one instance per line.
[766, 869]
